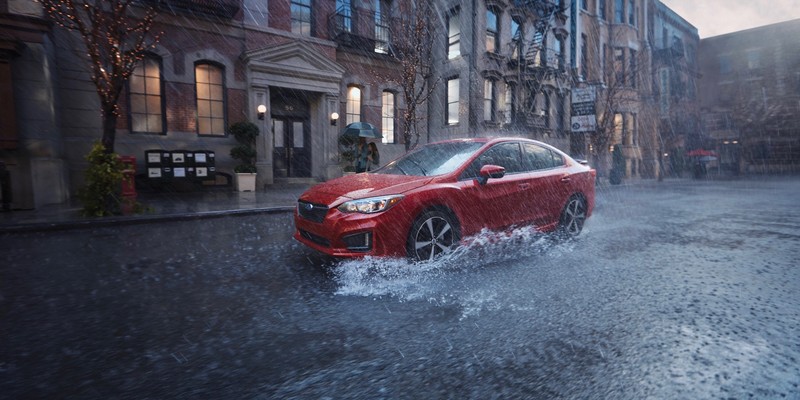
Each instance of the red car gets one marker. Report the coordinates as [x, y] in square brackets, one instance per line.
[422, 204]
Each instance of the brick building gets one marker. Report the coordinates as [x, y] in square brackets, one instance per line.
[749, 94]
[215, 64]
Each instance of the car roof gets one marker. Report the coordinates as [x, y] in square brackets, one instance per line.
[492, 140]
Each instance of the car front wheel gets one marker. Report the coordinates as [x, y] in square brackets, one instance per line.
[573, 217]
[432, 235]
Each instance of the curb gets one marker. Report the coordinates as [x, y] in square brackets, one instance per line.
[136, 220]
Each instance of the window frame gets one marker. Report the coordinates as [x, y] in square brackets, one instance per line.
[492, 33]
[223, 100]
[453, 39]
[389, 122]
[452, 116]
[162, 100]
[305, 4]
[353, 107]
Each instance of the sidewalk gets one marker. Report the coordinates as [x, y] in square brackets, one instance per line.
[160, 206]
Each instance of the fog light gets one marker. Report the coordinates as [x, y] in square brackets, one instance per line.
[359, 242]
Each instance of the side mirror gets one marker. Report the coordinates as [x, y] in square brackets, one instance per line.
[491, 171]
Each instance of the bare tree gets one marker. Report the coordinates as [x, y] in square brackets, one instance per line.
[115, 41]
[620, 75]
[412, 49]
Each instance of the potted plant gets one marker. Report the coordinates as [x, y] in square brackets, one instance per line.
[245, 133]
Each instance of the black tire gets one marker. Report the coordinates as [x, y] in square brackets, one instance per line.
[572, 218]
[432, 234]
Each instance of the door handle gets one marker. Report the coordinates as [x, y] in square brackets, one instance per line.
[524, 186]
[566, 179]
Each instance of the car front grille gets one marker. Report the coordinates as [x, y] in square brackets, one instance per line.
[311, 211]
[315, 238]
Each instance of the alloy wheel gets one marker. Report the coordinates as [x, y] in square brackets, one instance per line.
[432, 236]
[573, 217]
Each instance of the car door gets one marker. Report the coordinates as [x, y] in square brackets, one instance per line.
[548, 187]
[495, 203]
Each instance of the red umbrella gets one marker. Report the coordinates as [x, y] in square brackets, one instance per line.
[701, 153]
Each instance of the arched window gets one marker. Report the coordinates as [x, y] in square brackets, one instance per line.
[145, 97]
[210, 89]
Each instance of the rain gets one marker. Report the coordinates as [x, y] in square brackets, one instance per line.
[682, 283]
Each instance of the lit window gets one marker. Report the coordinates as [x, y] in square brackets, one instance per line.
[452, 101]
[145, 99]
[353, 108]
[488, 100]
[210, 99]
[387, 117]
[301, 17]
[492, 33]
[453, 36]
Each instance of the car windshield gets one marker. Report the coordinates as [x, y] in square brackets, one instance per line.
[433, 159]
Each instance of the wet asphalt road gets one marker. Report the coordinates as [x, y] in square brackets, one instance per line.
[683, 289]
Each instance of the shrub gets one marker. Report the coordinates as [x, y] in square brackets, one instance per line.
[101, 194]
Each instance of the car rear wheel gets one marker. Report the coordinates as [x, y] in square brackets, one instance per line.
[432, 235]
[573, 217]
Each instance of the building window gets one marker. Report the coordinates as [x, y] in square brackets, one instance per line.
[387, 117]
[664, 92]
[506, 105]
[584, 4]
[631, 13]
[453, 36]
[489, 102]
[452, 101]
[345, 15]
[516, 40]
[353, 106]
[619, 65]
[145, 97]
[632, 65]
[584, 57]
[619, 125]
[753, 59]
[559, 54]
[601, 9]
[492, 31]
[619, 11]
[630, 130]
[382, 36]
[725, 65]
[301, 17]
[210, 88]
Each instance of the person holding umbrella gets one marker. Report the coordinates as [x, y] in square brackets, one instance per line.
[363, 153]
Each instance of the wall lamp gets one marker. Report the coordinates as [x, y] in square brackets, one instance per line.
[262, 110]
[334, 118]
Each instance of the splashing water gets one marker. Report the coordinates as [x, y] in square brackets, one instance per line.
[406, 280]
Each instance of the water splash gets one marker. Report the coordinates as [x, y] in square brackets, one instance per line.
[406, 280]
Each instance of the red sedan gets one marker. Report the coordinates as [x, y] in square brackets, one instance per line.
[422, 204]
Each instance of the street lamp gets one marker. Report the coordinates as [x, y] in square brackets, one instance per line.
[262, 110]
[334, 118]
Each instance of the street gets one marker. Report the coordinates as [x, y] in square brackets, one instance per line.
[680, 289]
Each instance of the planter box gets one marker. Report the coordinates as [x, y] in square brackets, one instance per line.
[246, 182]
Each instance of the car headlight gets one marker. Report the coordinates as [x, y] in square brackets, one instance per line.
[370, 205]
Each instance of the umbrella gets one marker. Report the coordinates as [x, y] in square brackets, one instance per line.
[701, 153]
[362, 129]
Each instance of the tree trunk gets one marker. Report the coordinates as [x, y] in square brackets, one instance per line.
[109, 128]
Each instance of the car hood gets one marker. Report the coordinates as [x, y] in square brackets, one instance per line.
[359, 186]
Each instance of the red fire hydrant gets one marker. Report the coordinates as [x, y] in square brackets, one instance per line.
[128, 184]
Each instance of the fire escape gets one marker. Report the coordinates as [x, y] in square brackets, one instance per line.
[536, 64]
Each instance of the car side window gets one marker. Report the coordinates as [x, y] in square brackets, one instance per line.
[539, 158]
[506, 155]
